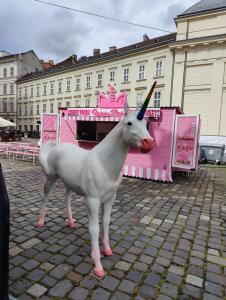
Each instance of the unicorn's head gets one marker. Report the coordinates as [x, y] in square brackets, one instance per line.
[135, 131]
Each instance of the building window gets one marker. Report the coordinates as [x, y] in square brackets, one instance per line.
[68, 85]
[77, 85]
[25, 110]
[11, 107]
[88, 81]
[51, 107]
[31, 127]
[99, 79]
[59, 104]
[38, 91]
[25, 127]
[20, 94]
[87, 104]
[25, 93]
[77, 103]
[4, 106]
[141, 72]
[11, 71]
[11, 89]
[44, 90]
[157, 97]
[32, 92]
[60, 87]
[31, 109]
[68, 104]
[4, 89]
[44, 108]
[19, 111]
[126, 75]
[139, 99]
[5, 72]
[159, 68]
[112, 76]
[37, 109]
[52, 88]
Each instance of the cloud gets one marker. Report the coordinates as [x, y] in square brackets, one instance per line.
[55, 33]
[172, 11]
[62, 35]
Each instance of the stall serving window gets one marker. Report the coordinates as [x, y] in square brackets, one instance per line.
[93, 131]
[86, 131]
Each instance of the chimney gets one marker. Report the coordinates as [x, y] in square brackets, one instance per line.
[96, 52]
[145, 38]
[73, 58]
[112, 48]
[51, 61]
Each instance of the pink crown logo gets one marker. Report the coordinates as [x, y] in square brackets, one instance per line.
[112, 101]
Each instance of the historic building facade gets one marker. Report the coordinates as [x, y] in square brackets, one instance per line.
[12, 67]
[189, 66]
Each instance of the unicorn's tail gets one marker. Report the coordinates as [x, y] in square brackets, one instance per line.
[45, 151]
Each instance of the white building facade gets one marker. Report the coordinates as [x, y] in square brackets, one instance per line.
[13, 66]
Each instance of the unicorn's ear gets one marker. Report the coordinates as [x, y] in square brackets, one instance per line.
[126, 108]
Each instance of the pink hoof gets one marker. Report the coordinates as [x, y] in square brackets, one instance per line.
[99, 272]
[71, 225]
[40, 225]
[107, 252]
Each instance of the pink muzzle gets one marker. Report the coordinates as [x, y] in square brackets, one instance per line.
[147, 145]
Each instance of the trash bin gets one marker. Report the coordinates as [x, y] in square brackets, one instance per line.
[213, 153]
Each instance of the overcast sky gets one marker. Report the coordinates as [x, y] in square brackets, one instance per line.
[56, 33]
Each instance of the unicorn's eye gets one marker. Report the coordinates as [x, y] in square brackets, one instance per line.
[129, 123]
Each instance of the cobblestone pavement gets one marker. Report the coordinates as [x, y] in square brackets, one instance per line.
[168, 240]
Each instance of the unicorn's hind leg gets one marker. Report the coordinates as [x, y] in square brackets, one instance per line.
[47, 187]
[70, 220]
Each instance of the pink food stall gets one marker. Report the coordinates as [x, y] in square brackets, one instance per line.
[176, 135]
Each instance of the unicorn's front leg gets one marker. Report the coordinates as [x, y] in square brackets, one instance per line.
[93, 206]
[106, 217]
[70, 220]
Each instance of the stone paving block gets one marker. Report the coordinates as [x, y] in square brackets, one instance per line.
[49, 281]
[61, 288]
[152, 279]
[176, 270]
[173, 278]
[127, 286]
[217, 260]
[30, 264]
[192, 291]
[213, 252]
[46, 266]
[207, 296]
[134, 276]
[110, 283]
[30, 243]
[213, 288]
[169, 290]
[120, 296]
[100, 294]
[79, 294]
[60, 271]
[146, 292]
[194, 280]
[122, 265]
[37, 290]
[146, 220]
[15, 250]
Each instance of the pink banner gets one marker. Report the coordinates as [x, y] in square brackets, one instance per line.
[49, 128]
[185, 142]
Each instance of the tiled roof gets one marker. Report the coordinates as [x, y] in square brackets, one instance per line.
[47, 65]
[204, 6]
[71, 63]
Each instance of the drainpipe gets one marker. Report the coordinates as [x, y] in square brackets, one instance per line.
[185, 69]
[172, 77]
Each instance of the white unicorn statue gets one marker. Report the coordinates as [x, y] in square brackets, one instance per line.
[95, 174]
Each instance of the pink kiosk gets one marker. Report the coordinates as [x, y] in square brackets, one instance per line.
[176, 135]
